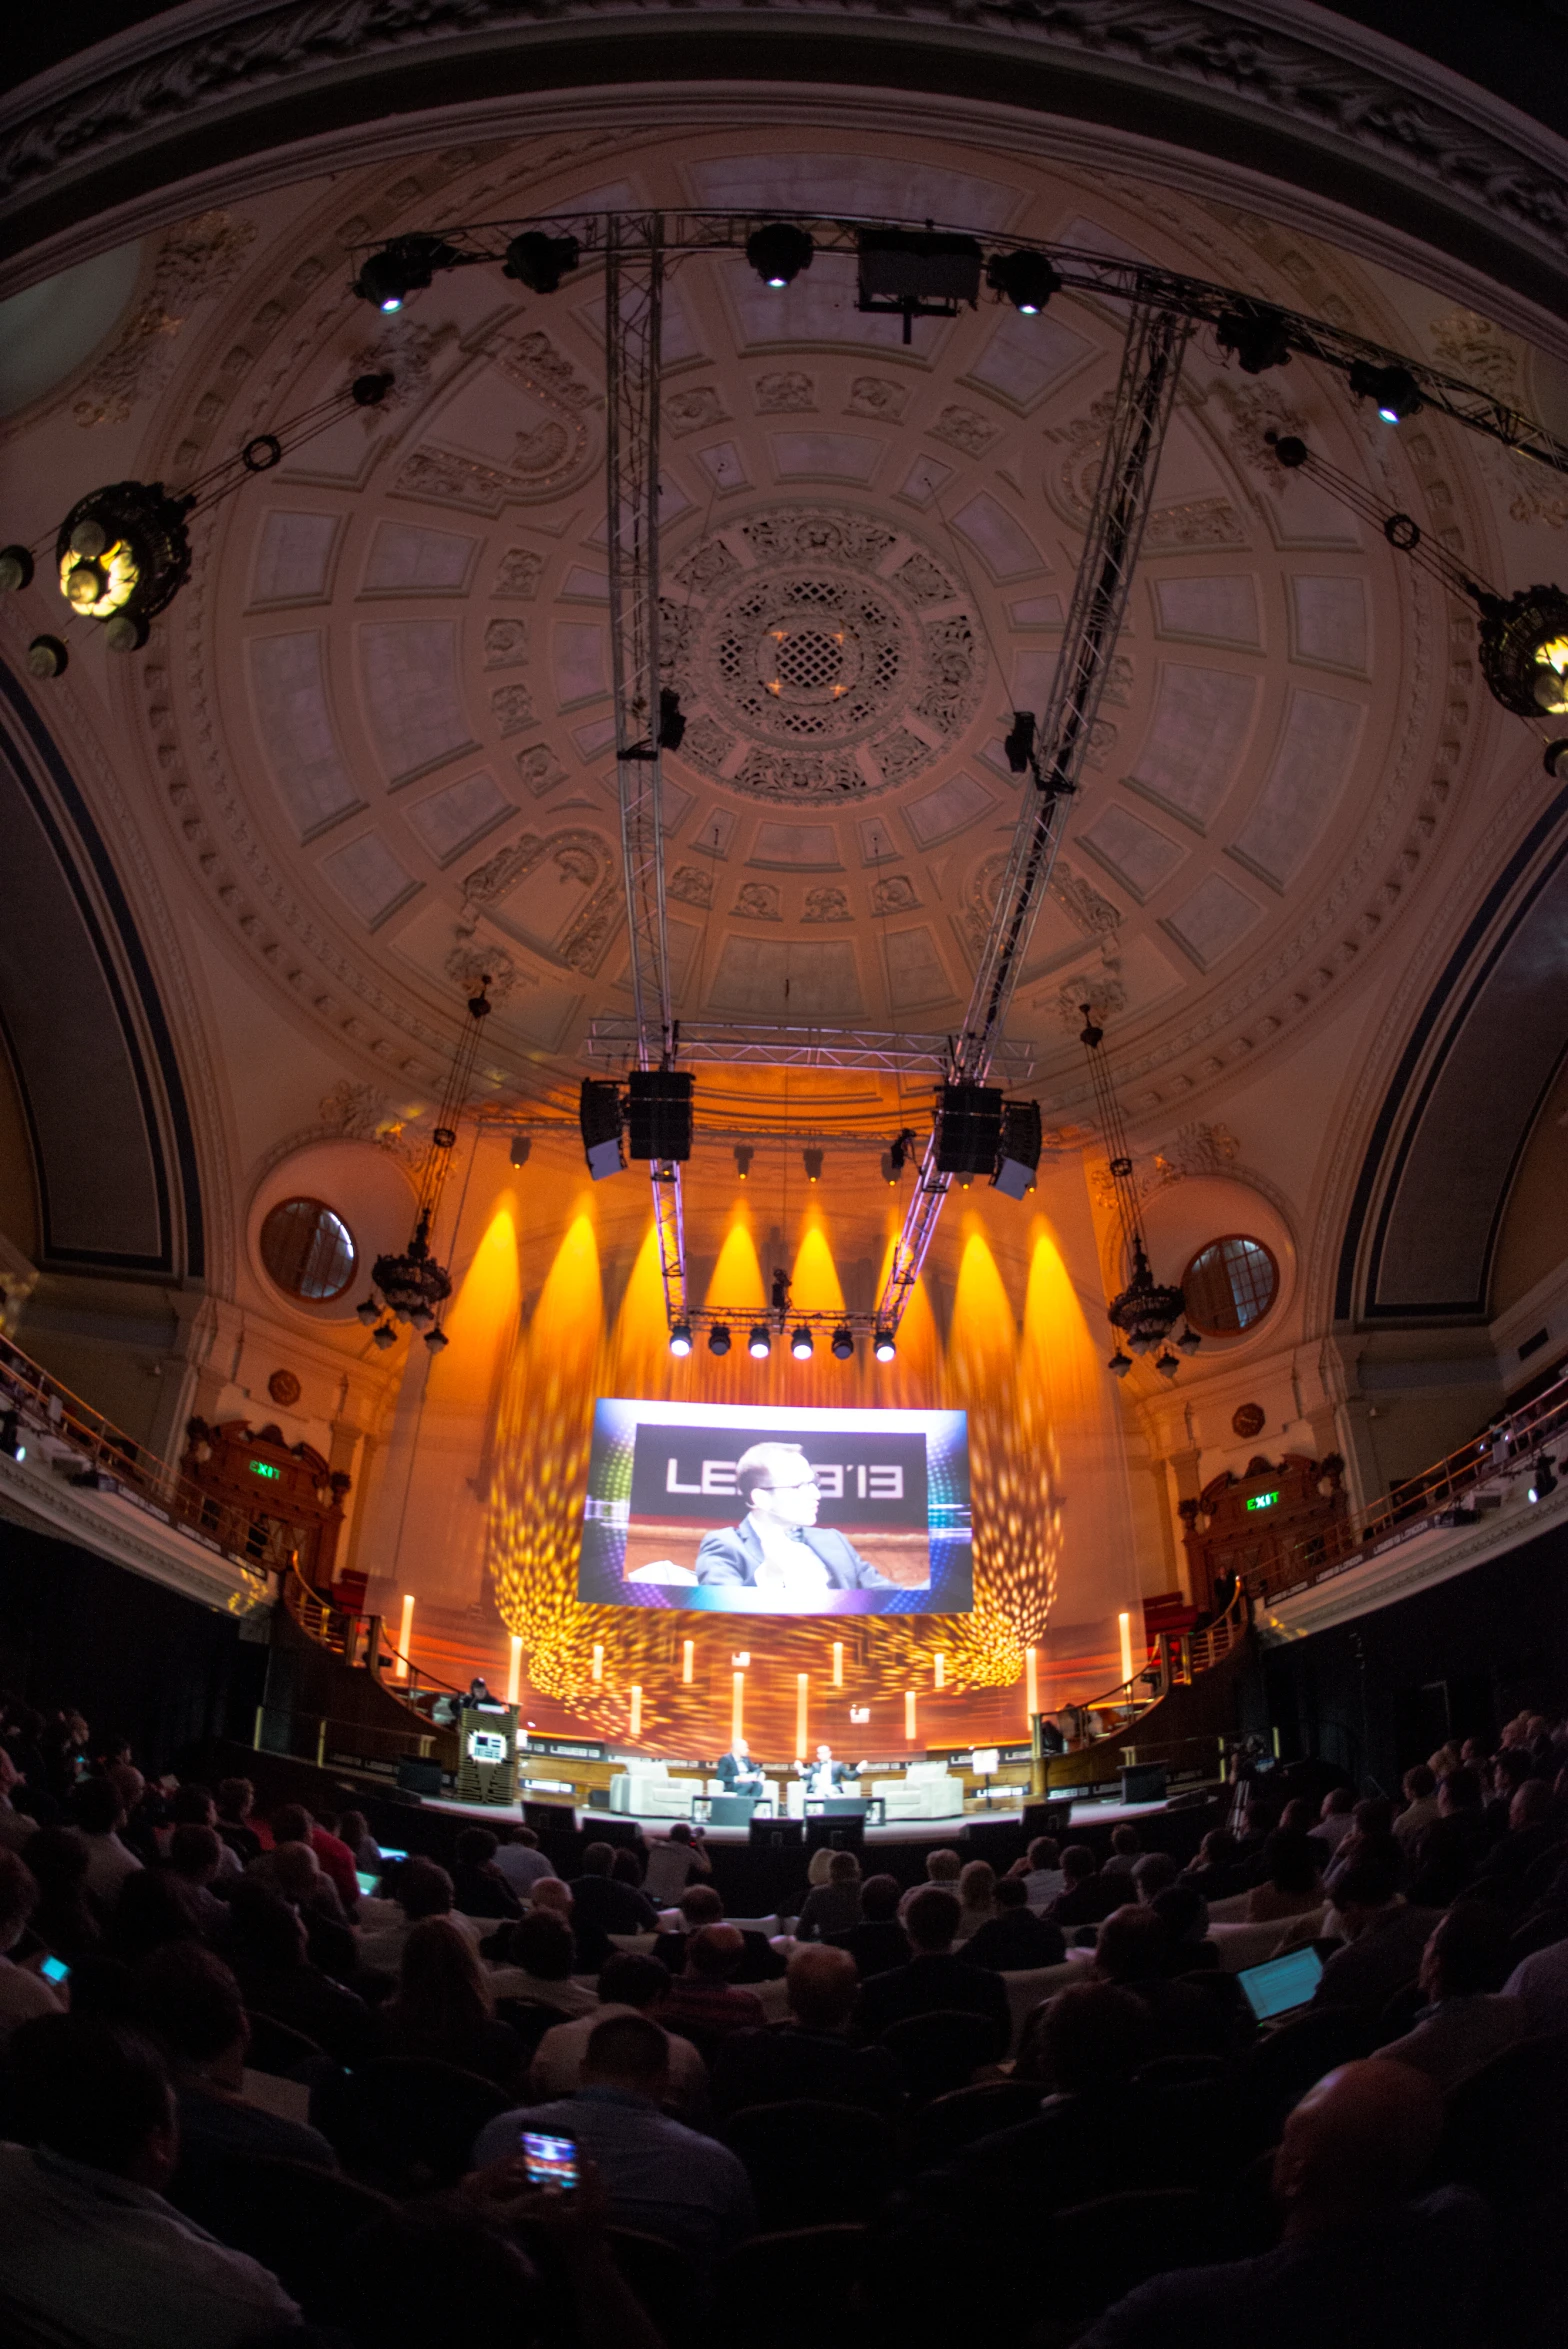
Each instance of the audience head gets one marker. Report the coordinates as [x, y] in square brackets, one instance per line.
[1291, 1862]
[1357, 2144]
[195, 1853]
[680, 1832]
[1124, 1841]
[699, 1905]
[714, 1952]
[292, 1823]
[1466, 1952]
[18, 1899]
[188, 2001]
[628, 1979]
[97, 1808]
[1460, 1789]
[976, 1884]
[1010, 1892]
[148, 1913]
[932, 1920]
[441, 1985]
[268, 1933]
[354, 1828]
[821, 1985]
[58, 1858]
[1338, 1803]
[476, 1847]
[551, 1897]
[1532, 1805]
[94, 2092]
[625, 1869]
[1218, 1849]
[542, 1945]
[1043, 1853]
[1152, 1873]
[943, 1867]
[630, 2053]
[1364, 1885]
[423, 1890]
[1089, 2038]
[1078, 1863]
[523, 1835]
[1260, 1818]
[128, 1784]
[1133, 1945]
[236, 1799]
[1373, 1818]
[1183, 1911]
[843, 1868]
[1419, 1783]
[1298, 1818]
[879, 1899]
[191, 1805]
[598, 1859]
[296, 1871]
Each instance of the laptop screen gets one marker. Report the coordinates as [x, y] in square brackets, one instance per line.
[1282, 1984]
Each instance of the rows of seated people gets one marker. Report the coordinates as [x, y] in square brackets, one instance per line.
[244, 2101]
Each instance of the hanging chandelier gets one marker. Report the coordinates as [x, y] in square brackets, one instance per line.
[413, 1286]
[1147, 1310]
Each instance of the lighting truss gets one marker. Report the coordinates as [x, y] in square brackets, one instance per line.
[633, 317]
[1140, 418]
[893, 1052]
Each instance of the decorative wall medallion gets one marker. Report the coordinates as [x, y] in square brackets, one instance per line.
[284, 1388]
[1248, 1420]
[786, 394]
[826, 905]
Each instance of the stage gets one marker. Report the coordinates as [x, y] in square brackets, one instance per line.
[926, 1832]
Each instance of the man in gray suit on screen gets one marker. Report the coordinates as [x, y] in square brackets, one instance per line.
[776, 1548]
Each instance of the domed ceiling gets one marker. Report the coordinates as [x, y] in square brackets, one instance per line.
[381, 712]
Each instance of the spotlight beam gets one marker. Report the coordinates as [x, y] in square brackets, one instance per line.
[1135, 435]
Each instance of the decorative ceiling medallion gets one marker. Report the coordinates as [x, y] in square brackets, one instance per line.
[839, 660]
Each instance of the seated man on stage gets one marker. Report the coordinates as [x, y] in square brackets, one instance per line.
[824, 1777]
[776, 1547]
[741, 1775]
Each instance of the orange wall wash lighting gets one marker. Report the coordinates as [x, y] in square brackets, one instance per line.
[405, 1633]
[737, 1707]
[838, 1663]
[910, 1729]
[514, 1669]
[636, 1712]
[1031, 1684]
[1124, 1626]
[688, 1661]
[802, 1684]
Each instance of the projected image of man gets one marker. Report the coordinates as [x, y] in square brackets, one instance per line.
[778, 1548]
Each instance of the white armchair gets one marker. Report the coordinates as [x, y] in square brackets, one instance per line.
[645, 1790]
[927, 1790]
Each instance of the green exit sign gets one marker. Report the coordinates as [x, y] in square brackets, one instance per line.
[265, 1468]
[1258, 1500]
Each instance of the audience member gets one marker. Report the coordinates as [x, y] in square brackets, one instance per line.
[1124, 1852]
[703, 2002]
[810, 2056]
[444, 2007]
[1042, 1874]
[90, 2251]
[1534, 1829]
[63, 1920]
[878, 1943]
[1397, 2273]
[1183, 1911]
[1151, 1874]
[1540, 1983]
[294, 1873]
[1384, 1936]
[674, 1860]
[629, 1985]
[1465, 2021]
[833, 1907]
[1452, 1848]
[520, 1860]
[1217, 1872]
[659, 2177]
[1334, 1818]
[419, 1888]
[976, 1901]
[1421, 1806]
[555, 1897]
[294, 1824]
[354, 1830]
[944, 1868]
[189, 2002]
[15, 1826]
[98, 1815]
[536, 1957]
[1087, 1896]
[933, 1979]
[478, 1887]
[23, 1992]
[195, 1862]
[702, 1904]
[236, 1800]
[268, 1952]
[1015, 1940]
[601, 1907]
[150, 1912]
[1133, 1951]
[1292, 1886]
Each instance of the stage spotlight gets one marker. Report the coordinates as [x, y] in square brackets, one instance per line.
[1119, 1364]
[680, 1340]
[778, 252]
[969, 1128]
[759, 1345]
[672, 725]
[813, 1162]
[521, 1146]
[718, 1339]
[843, 1344]
[883, 1346]
[800, 1345]
[16, 569]
[47, 657]
[1020, 743]
[1026, 279]
[1256, 335]
[1393, 390]
[1018, 1156]
[1543, 1483]
[599, 1121]
[539, 261]
[405, 266]
[658, 1114]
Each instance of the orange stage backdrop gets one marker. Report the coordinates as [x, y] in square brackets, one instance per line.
[479, 1487]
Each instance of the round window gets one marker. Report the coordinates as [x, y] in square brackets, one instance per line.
[1229, 1286]
[308, 1250]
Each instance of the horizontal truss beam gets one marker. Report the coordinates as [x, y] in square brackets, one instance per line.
[891, 1051]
